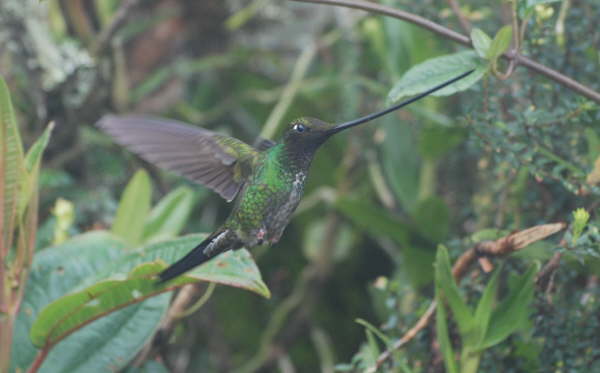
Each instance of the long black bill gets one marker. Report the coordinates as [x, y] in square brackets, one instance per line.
[372, 116]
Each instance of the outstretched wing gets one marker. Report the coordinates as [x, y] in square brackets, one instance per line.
[219, 162]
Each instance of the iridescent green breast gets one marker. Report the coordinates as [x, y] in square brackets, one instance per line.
[268, 198]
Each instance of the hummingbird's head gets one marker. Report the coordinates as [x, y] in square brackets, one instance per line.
[307, 133]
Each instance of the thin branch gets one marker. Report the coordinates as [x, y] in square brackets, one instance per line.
[178, 307]
[39, 359]
[501, 247]
[118, 20]
[464, 40]
[290, 90]
[199, 303]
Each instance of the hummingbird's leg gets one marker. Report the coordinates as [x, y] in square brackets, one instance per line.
[260, 235]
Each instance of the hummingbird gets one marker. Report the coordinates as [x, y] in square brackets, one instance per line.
[266, 181]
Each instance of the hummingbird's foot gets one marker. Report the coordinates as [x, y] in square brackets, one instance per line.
[260, 235]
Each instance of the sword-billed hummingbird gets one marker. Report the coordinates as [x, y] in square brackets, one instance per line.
[268, 180]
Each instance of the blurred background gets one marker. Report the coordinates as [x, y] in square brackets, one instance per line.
[500, 157]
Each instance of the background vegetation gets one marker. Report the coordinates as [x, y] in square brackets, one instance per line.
[476, 183]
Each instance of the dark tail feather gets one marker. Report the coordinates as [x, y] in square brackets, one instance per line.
[192, 259]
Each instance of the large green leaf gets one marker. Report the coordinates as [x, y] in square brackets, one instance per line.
[107, 344]
[148, 367]
[233, 268]
[512, 313]
[133, 209]
[381, 224]
[432, 217]
[443, 338]
[400, 160]
[169, 216]
[374, 220]
[119, 288]
[11, 165]
[438, 70]
[485, 306]
[445, 281]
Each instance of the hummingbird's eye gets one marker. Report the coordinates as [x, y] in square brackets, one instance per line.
[299, 128]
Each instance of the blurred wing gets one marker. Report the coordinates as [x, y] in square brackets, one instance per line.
[219, 162]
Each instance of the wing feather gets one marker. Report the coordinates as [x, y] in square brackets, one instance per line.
[200, 155]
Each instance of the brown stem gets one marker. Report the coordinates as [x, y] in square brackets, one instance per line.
[118, 20]
[464, 22]
[184, 298]
[39, 359]
[462, 39]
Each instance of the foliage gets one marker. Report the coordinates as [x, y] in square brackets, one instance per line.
[506, 149]
[92, 276]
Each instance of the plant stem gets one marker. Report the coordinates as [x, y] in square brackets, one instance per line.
[469, 361]
[464, 21]
[196, 306]
[39, 359]
[289, 93]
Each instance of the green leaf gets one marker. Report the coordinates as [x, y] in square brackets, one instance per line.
[71, 312]
[441, 328]
[11, 162]
[500, 43]
[384, 338]
[133, 209]
[380, 223]
[400, 147]
[105, 345]
[512, 313]
[374, 220]
[593, 144]
[433, 219]
[34, 155]
[438, 70]
[32, 163]
[580, 220]
[373, 347]
[481, 42]
[169, 216]
[148, 367]
[484, 309]
[445, 281]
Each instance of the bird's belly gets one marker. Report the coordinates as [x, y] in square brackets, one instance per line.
[266, 211]
[277, 219]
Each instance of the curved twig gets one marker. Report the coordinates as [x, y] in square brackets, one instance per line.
[462, 19]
